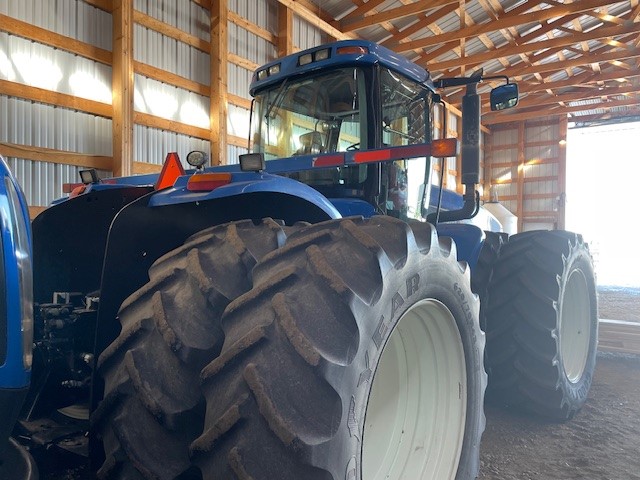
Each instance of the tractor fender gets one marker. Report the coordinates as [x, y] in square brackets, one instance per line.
[16, 308]
[242, 183]
[469, 240]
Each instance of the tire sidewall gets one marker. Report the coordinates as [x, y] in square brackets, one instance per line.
[576, 392]
[440, 278]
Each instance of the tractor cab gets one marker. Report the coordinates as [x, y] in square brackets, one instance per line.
[347, 97]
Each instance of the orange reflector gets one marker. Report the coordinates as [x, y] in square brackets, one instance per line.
[205, 182]
[444, 147]
[355, 49]
[171, 170]
[70, 187]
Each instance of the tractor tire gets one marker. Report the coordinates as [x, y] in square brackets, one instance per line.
[153, 407]
[481, 275]
[542, 324]
[357, 355]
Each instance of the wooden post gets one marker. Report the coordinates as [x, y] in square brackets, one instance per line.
[562, 173]
[122, 85]
[219, 66]
[521, 160]
[285, 30]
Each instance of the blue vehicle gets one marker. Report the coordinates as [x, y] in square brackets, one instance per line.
[318, 310]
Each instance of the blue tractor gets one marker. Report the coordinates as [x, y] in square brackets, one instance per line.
[317, 311]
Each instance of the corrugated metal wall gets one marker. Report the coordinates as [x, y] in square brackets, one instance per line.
[526, 169]
[26, 123]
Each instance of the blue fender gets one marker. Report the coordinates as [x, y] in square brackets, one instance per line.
[16, 255]
[243, 183]
[469, 240]
[16, 304]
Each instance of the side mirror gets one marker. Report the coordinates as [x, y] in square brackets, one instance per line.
[504, 96]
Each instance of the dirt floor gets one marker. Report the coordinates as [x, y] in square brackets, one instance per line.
[600, 443]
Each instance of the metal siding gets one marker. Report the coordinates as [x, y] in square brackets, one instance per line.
[168, 54]
[46, 126]
[233, 152]
[152, 145]
[306, 35]
[172, 103]
[238, 121]
[71, 18]
[38, 65]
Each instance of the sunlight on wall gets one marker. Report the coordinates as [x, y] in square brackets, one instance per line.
[37, 71]
[6, 69]
[193, 114]
[85, 85]
[603, 169]
[160, 103]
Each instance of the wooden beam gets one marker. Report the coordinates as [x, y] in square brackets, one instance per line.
[206, 4]
[395, 13]
[242, 62]
[562, 173]
[41, 95]
[144, 168]
[360, 11]
[535, 100]
[517, 117]
[306, 14]
[239, 101]
[171, 78]
[285, 31]
[51, 155]
[582, 80]
[424, 22]
[252, 27]
[160, 123]
[535, 46]
[47, 37]
[170, 31]
[583, 60]
[219, 60]
[508, 20]
[35, 211]
[106, 5]
[122, 88]
[520, 189]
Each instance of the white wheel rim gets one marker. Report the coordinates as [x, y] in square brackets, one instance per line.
[575, 326]
[415, 418]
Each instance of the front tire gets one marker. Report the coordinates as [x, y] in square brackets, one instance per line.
[357, 355]
[153, 406]
[542, 324]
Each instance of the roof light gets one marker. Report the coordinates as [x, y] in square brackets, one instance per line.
[274, 69]
[351, 50]
[171, 170]
[321, 54]
[252, 162]
[89, 176]
[305, 59]
[262, 74]
[205, 182]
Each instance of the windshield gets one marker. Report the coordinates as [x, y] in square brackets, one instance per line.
[310, 116]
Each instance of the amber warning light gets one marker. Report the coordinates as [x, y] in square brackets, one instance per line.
[444, 147]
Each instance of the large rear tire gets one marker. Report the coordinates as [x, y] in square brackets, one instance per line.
[153, 406]
[357, 355]
[542, 324]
